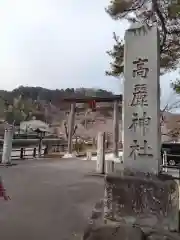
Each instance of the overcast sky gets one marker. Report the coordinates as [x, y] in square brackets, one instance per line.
[58, 44]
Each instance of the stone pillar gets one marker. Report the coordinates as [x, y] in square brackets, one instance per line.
[89, 155]
[109, 166]
[71, 122]
[115, 129]
[100, 153]
[142, 137]
[122, 126]
[7, 146]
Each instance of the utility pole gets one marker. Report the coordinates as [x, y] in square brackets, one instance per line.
[115, 129]
[71, 122]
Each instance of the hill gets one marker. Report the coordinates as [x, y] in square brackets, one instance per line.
[24, 103]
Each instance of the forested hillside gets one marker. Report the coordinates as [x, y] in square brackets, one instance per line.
[23, 103]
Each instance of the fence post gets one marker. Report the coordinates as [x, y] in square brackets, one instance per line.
[21, 153]
[63, 148]
[34, 152]
[40, 147]
[46, 150]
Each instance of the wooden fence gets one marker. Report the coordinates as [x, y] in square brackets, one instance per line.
[22, 153]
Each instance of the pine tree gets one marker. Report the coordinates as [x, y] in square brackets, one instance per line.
[164, 13]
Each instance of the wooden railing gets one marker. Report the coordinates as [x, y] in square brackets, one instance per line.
[22, 153]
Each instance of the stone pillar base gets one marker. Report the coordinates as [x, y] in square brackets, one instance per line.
[108, 232]
[127, 232]
[143, 200]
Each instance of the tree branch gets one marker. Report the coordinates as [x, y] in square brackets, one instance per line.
[135, 8]
[114, 11]
[155, 8]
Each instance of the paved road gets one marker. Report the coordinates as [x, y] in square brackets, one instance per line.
[51, 200]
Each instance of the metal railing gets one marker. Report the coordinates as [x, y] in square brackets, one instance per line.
[174, 170]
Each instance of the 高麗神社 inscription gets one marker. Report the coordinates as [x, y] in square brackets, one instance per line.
[139, 98]
[137, 150]
[142, 122]
[139, 95]
[141, 101]
[141, 69]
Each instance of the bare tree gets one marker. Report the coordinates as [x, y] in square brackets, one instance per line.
[173, 133]
[66, 129]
